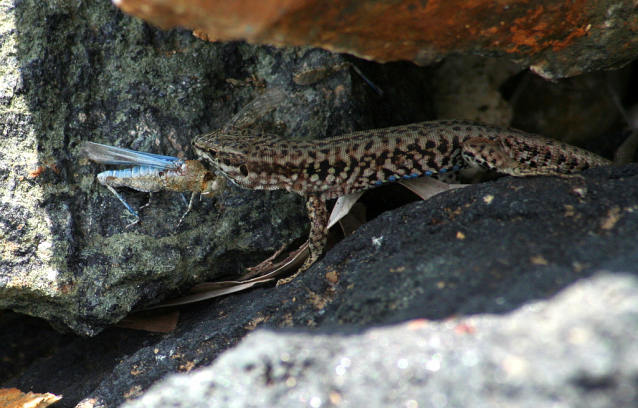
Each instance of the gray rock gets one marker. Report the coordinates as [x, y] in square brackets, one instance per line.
[578, 349]
[78, 71]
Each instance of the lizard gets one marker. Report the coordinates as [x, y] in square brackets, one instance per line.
[324, 169]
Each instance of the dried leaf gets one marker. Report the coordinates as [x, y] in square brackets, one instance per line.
[209, 290]
[14, 398]
[427, 187]
[264, 266]
[163, 323]
[342, 207]
[210, 294]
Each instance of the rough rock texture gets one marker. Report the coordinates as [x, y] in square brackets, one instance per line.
[580, 349]
[77, 71]
[486, 249]
[586, 110]
[467, 87]
[556, 39]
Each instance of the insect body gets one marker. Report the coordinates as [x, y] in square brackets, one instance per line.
[152, 172]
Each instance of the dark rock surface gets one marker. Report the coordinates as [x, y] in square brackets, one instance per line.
[579, 349]
[520, 241]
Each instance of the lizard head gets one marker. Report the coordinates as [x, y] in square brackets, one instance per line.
[227, 150]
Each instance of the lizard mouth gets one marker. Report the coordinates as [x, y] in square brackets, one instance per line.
[211, 154]
[205, 153]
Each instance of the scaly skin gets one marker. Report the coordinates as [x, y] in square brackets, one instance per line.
[325, 169]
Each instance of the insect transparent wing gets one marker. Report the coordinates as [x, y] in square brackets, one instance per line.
[119, 156]
[257, 108]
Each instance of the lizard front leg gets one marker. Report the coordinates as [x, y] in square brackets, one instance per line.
[318, 215]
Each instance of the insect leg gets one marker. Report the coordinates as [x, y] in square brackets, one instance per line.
[150, 197]
[190, 205]
[128, 207]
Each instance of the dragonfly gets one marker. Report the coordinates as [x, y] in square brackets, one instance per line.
[152, 173]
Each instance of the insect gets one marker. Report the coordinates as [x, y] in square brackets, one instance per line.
[312, 75]
[152, 173]
[325, 169]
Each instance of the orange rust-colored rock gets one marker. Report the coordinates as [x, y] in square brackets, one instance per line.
[548, 34]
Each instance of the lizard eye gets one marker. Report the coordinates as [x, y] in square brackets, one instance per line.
[244, 170]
